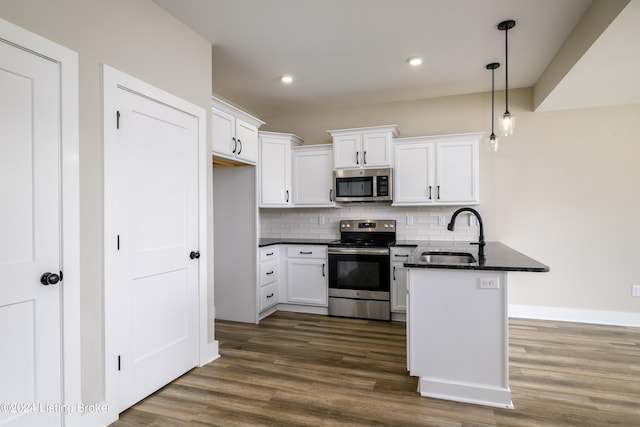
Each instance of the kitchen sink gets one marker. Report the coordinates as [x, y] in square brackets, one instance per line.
[447, 258]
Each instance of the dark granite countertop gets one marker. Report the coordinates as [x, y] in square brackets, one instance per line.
[268, 241]
[498, 256]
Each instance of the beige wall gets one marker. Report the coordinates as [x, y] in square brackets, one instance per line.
[141, 39]
[563, 189]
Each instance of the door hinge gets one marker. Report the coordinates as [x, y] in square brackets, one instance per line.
[117, 119]
[118, 362]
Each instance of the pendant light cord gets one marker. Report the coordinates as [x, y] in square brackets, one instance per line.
[506, 69]
[492, 97]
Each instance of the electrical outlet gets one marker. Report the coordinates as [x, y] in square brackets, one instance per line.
[635, 290]
[473, 221]
[441, 219]
[321, 219]
[489, 283]
[409, 219]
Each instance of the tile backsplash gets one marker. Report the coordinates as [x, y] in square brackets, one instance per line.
[322, 223]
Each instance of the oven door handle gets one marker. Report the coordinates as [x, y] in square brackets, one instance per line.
[358, 251]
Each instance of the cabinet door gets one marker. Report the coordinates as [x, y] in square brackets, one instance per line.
[347, 152]
[312, 177]
[376, 150]
[398, 288]
[247, 138]
[222, 133]
[457, 172]
[307, 281]
[274, 172]
[413, 174]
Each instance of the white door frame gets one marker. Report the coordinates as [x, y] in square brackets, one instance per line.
[70, 207]
[114, 80]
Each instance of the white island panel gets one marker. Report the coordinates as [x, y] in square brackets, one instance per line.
[458, 335]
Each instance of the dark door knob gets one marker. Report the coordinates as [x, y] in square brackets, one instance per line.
[194, 255]
[49, 279]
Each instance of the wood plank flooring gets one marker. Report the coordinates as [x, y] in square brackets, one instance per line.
[310, 370]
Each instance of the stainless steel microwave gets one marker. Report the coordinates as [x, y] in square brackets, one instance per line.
[362, 185]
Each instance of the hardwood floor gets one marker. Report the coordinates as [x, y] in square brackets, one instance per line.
[311, 370]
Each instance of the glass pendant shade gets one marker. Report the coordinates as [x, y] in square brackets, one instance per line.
[493, 142]
[508, 123]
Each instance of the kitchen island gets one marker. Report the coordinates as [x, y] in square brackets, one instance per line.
[457, 321]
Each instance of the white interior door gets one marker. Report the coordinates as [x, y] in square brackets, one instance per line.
[151, 227]
[30, 314]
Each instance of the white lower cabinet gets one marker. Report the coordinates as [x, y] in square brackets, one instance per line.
[269, 274]
[307, 275]
[399, 256]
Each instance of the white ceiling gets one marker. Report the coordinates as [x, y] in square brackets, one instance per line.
[353, 52]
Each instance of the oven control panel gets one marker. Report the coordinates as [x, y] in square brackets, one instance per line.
[368, 225]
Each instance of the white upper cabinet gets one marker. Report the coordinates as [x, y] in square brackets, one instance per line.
[234, 133]
[457, 170]
[312, 175]
[368, 147]
[437, 170]
[275, 169]
[414, 176]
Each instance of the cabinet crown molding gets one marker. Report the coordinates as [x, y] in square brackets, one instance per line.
[441, 138]
[387, 128]
[294, 139]
[235, 111]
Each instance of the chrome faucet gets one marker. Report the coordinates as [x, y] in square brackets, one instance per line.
[481, 243]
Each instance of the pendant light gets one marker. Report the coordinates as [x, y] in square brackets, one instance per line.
[508, 119]
[493, 140]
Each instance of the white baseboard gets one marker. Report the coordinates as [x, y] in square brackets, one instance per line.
[299, 308]
[600, 317]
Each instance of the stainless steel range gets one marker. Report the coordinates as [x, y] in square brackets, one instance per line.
[359, 282]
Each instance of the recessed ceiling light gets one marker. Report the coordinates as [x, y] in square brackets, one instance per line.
[286, 78]
[415, 61]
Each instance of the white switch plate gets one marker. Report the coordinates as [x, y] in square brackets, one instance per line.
[321, 219]
[441, 219]
[473, 221]
[489, 283]
[409, 219]
[635, 290]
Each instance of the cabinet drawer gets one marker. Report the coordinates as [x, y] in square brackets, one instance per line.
[401, 254]
[313, 251]
[268, 296]
[269, 253]
[268, 272]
